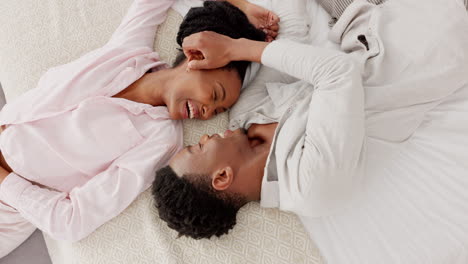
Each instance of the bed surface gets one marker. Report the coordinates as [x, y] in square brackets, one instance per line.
[40, 35]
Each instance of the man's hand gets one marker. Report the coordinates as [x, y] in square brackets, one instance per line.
[209, 50]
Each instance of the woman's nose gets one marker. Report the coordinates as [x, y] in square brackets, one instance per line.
[207, 112]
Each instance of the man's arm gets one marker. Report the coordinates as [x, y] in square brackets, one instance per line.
[331, 162]
[334, 140]
[336, 7]
[74, 215]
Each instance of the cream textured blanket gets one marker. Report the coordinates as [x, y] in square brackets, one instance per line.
[37, 35]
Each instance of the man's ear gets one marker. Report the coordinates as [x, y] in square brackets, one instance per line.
[222, 179]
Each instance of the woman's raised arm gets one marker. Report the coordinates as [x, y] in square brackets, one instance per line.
[138, 28]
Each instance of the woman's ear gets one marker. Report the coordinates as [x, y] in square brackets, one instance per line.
[222, 179]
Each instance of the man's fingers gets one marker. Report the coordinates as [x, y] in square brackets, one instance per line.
[188, 54]
[198, 65]
[189, 43]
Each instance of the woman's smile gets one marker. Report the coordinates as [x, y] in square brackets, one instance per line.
[191, 110]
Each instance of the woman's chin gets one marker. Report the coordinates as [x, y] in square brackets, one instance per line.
[175, 116]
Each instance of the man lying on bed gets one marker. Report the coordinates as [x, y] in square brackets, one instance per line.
[335, 159]
[96, 152]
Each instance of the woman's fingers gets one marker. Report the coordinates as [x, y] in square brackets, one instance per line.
[273, 18]
[271, 28]
[274, 27]
[270, 35]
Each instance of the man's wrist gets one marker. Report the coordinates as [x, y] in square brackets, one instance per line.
[247, 50]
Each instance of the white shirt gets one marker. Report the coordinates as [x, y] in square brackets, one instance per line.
[405, 179]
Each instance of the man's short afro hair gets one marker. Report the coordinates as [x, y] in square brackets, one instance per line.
[191, 207]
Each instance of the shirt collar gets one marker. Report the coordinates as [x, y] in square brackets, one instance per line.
[269, 194]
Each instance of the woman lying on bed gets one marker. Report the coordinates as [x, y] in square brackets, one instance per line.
[96, 129]
[380, 180]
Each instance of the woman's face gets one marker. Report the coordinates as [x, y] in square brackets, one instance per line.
[202, 94]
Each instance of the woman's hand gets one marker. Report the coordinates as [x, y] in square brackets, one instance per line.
[263, 19]
[260, 17]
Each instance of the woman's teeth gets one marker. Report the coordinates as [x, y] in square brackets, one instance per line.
[190, 110]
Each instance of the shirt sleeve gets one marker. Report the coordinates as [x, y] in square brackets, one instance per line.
[73, 216]
[334, 139]
[14, 229]
[138, 28]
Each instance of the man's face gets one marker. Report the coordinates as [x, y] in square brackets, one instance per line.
[233, 163]
[212, 153]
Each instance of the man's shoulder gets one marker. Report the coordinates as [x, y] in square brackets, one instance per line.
[336, 7]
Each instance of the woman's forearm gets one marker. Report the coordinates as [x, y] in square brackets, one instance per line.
[241, 4]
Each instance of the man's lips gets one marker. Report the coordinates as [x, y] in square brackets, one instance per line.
[227, 133]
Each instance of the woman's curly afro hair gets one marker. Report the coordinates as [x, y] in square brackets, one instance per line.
[223, 18]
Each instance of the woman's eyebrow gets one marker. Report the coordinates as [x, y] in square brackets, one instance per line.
[224, 92]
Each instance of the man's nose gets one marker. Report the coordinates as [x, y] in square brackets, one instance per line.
[204, 139]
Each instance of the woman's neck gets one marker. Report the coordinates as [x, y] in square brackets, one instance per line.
[149, 89]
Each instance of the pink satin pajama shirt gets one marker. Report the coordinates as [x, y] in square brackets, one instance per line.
[94, 153]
